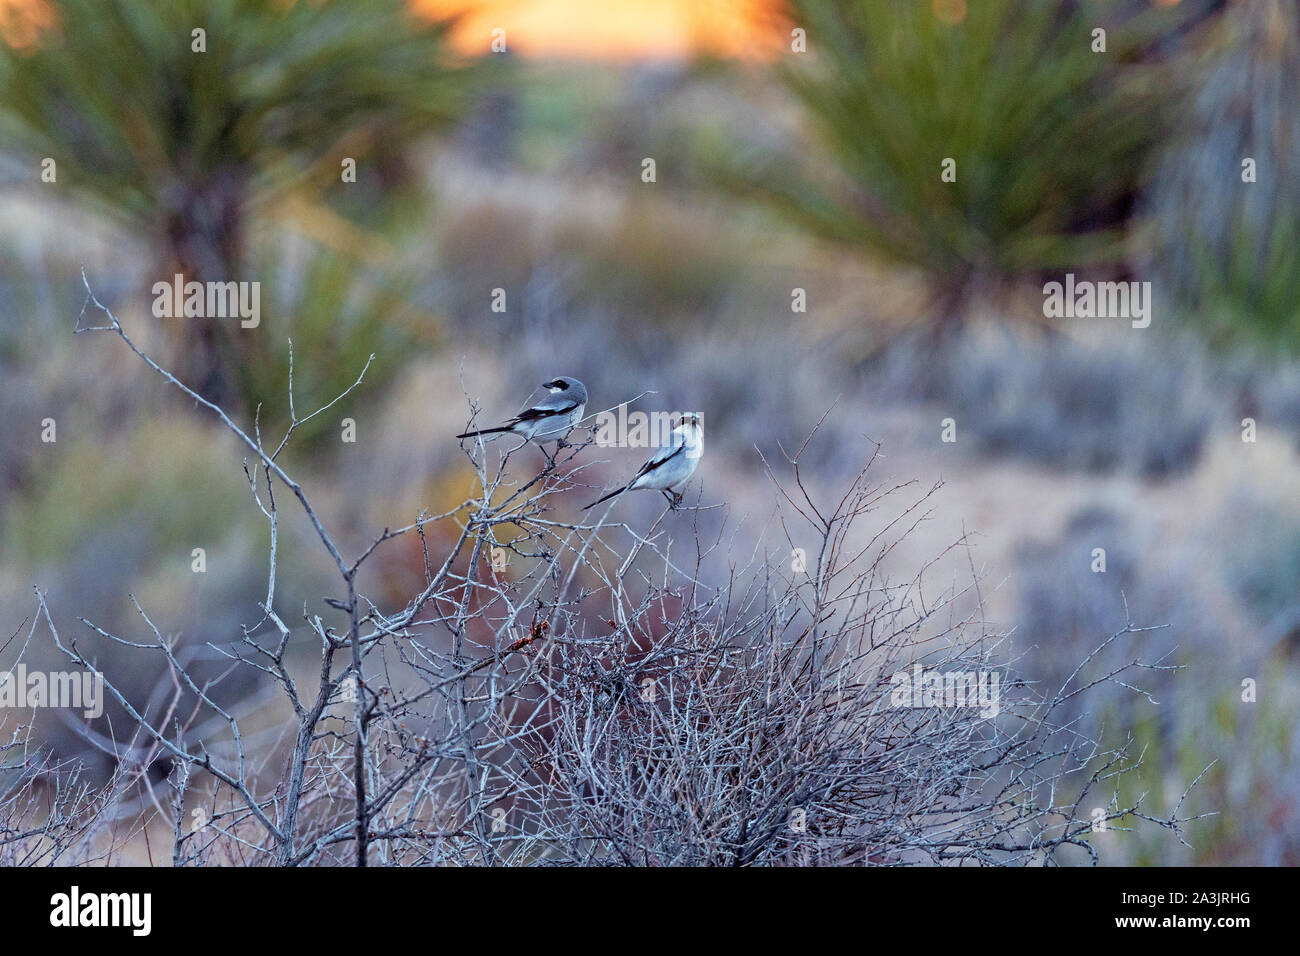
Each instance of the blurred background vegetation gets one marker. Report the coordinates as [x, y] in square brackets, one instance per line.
[186, 120]
[1047, 138]
[775, 170]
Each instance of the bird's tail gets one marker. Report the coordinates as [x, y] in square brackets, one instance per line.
[484, 431]
[617, 491]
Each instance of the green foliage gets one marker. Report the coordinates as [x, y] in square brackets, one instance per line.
[1048, 136]
[135, 118]
[1229, 249]
[337, 315]
[87, 491]
[1242, 754]
[186, 145]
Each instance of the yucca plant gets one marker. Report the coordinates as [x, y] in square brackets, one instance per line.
[186, 145]
[328, 305]
[1048, 136]
[1227, 247]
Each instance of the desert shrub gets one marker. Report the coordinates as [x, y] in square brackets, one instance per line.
[1103, 407]
[1230, 621]
[1263, 566]
[576, 691]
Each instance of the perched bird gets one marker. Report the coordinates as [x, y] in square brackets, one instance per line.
[671, 466]
[550, 419]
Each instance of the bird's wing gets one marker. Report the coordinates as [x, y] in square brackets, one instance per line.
[660, 458]
[547, 408]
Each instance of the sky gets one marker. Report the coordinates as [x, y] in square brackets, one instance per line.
[584, 29]
[611, 29]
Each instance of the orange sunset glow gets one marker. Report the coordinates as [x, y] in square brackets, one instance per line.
[612, 29]
[584, 29]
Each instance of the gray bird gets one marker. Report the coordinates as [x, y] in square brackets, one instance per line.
[550, 419]
[671, 466]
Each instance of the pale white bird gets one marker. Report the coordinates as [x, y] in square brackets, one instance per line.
[671, 466]
[550, 419]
